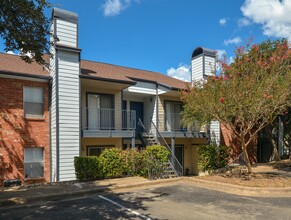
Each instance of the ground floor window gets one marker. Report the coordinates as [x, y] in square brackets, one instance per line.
[96, 150]
[33, 162]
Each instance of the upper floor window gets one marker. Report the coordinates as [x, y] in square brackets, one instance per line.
[33, 99]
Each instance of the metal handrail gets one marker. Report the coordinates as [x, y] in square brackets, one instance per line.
[173, 157]
[144, 128]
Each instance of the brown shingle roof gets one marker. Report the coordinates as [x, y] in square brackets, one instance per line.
[10, 63]
[110, 71]
[13, 64]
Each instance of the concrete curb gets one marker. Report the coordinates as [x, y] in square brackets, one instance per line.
[99, 189]
[240, 190]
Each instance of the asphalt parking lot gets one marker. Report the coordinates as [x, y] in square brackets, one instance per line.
[179, 201]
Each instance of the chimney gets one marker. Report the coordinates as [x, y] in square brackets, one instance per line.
[203, 64]
[65, 95]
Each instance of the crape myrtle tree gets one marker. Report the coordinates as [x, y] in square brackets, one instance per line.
[24, 28]
[246, 95]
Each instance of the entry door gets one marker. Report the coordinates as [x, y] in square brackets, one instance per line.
[179, 153]
[138, 108]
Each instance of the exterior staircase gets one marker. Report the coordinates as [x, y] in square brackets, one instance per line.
[172, 168]
[149, 139]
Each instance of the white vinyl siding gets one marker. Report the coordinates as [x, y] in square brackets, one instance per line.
[209, 63]
[197, 68]
[69, 113]
[53, 112]
[67, 33]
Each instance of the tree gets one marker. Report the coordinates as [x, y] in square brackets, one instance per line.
[247, 95]
[24, 28]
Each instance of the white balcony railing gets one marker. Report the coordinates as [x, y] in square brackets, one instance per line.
[105, 119]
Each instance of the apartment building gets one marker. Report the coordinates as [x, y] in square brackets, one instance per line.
[79, 107]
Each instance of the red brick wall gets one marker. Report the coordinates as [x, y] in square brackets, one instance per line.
[229, 140]
[17, 132]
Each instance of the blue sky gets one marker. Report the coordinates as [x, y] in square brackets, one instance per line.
[160, 35]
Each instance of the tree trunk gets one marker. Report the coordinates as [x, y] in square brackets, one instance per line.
[247, 159]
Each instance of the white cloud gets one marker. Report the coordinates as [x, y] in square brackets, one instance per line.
[114, 7]
[273, 15]
[235, 40]
[182, 73]
[10, 52]
[222, 21]
[243, 22]
[220, 54]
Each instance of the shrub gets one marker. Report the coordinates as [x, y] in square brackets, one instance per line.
[157, 158]
[161, 153]
[134, 162]
[112, 163]
[87, 168]
[212, 157]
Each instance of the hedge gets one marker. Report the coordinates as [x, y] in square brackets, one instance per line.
[114, 162]
[87, 168]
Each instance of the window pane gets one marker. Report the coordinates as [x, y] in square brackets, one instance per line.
[34, 170]
[33, 94]
[38, 154]
[28, 155]
[33, 102]
[33, 163]
[33, 109]
[95, 151]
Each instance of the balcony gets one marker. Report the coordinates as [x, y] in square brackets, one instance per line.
[102, 122]
[173, 127]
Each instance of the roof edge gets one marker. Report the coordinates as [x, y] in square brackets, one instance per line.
[28, 75]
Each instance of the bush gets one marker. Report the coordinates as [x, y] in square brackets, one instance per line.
[112, 163]
[157, 158]
[161, 153]
[212, 157]
[87, 168]
[134, 162]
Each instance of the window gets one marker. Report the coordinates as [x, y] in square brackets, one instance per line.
[95, 150]
[33, 162]
[173, 116]
[33, 102]
[100, 111]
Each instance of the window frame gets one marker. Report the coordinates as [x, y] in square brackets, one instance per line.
[24, 103]
[35, 161]
[102, 147]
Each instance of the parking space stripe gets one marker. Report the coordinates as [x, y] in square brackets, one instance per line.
[124, 208]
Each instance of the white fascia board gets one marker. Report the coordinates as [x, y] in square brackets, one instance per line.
[143, 88]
